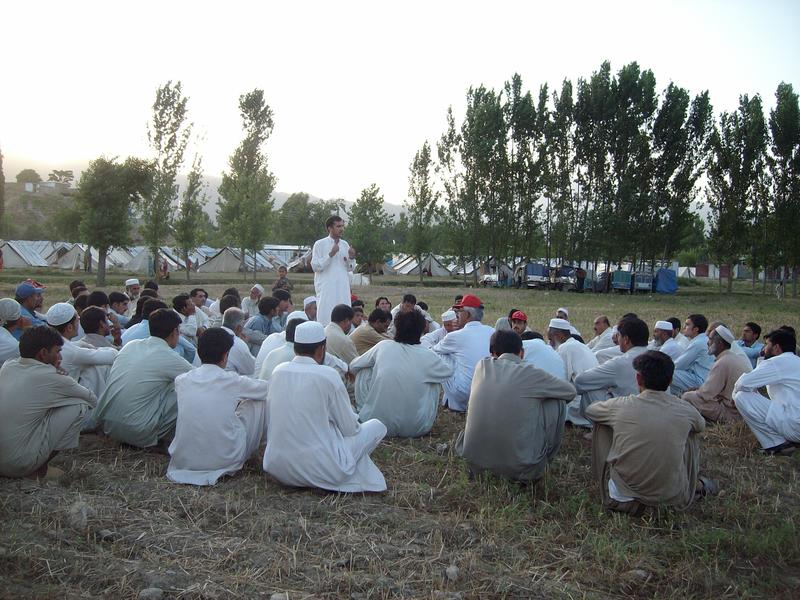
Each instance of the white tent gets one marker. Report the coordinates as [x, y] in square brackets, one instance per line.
[430, 265]
[21, 253]
[142, 261]
[224, 261]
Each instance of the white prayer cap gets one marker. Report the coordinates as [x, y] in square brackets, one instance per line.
[614, 330]
[258, 287]
[60, 313]
[725, 333]
[449, 315]
[563, 310]
[663, 325]
[309, 300]
[559, 324]
[298, 314]
[130, 282]
[9, 310]
[309, 332]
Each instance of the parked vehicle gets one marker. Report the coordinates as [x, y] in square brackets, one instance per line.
[562, 277]
[621, 281]
[642, 282]
[537, 275]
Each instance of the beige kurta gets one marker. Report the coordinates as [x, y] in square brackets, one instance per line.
[714, 399]
[365, 337]
[339, 344]
[647, 444]
[515, 418]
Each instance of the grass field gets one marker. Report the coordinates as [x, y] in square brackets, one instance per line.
[114, 525]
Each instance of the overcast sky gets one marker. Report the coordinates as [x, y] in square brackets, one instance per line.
[356, 87]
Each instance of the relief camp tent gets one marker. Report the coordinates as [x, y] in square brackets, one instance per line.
[666, 281]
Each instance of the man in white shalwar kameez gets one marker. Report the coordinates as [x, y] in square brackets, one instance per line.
[221, 416]
[542, 356]
[464, 348]
[603, 332]
[332, 260]
[314, 438]
[775, 421]
[449, 324]
[139, 405]
[398, 381]
[577, 359]
[240, 360]
[664, 342]
[10, 321]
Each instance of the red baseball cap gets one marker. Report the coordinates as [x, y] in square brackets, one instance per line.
[519, 316]
[469, 301]
[353, 297]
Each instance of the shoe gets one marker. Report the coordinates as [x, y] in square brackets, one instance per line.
[784, 449]
[710, 487]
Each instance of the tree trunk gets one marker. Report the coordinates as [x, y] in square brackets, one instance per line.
[101, 266]
[794, 281]
[419, 267]
[186, 264]
[764, 282]
[753, 292]
[730, 279]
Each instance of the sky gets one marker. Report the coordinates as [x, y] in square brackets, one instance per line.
[355, 87]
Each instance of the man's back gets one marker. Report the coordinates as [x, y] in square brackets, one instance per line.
[577, 358]
[543, 357]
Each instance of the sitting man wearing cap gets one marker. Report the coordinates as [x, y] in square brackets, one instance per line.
[663, 340]
[373, 331]
[615, 377]
[41, 410]
[221, 416]
[563, 313]
[464, 348]
[449, 324]
[516, 413]
[29, 296]
[775, 421]
[80, 363]
[139, 405]
[714, 399]
[519, 322]
[310, 307]
[132, 288]
[398, 381]
[250, 304]
[314, 438]
[10, 321]
[577, 359]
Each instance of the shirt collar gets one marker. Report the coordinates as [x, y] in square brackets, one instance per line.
[306, 360]
[510, 357]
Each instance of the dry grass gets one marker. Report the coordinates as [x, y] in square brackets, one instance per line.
[250, 537]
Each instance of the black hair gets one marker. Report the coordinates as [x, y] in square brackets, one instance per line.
[505, 341]
[213, 344]
[267, 304]
[531, 335]
[231, 291]
[409, 327]
[356, 303]
[228, 301]
[423, 305]
[282, 295]
[635, 330]
[329, 222]
[604, 319]
[115, 297]
[34, 339]
[291, 326]
[152, 305]
[676, 323]
[575, 336]
[98, 298]
[379, 315]
[378, 301]
[148, 293]
[458, 298]
[410, 298]
[341, 312]
[511, 312]
[790, 329]
[629, 316]
[754, 327]
[699, 321]
[137, 314]
[76, 291]
[307, 349]
[193, 292]
[81, 302]
[181, 301]
[656, 369]
[163, 322]
[76, 283]
[783, 338]
[151, 285]
[358, 309]
[91, 319]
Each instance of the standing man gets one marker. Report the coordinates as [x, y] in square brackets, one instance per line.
[332, 260]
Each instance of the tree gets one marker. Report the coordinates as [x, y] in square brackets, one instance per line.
[784, 124]
[61, 176]
[168, 135]
[452, 181]
[28, 176]
[366, 229]
[421, 205]
[245, 209]
[105, 194]
[300, 221]
[189, 222]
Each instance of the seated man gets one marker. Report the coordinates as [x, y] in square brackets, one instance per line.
[449, 324]
[314, 438]
[261, 324]
[373, 331]
[542, 356]
[338, 342]
[577, 358]
[603, 331]
[615, 377]
[519, 322]
[516, 413]
[358, 317]
[285, 307]
[10, 321]
[141, 330]
[119, 303]
[749, 342]
[398, 381]
[250, 304]
[775, 421]
[310, 307]
[240, 359]
[139, 405]
[663, 340]
[190, 326]
[645, 451]
[29, 296]
[714, 399]
[221, 416]
[693, 365]
[41, 410]
[464, 347]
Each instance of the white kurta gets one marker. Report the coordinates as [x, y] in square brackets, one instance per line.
[607, 354]
[429, 340]
[221, 421]
[240, 360]
[577, 359]
[465, 348]
[671, 348]
[331, 276]
[602, 341]
[285, 354]
[9, 346]
[314, 438]
[399, 385]
[543, 357]
[274, 341]
[87, 366]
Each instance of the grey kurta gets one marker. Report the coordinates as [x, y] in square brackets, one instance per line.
[40, 411]
[139, 405]
[515, 418]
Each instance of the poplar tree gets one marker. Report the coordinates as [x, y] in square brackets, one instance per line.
[421, 205]
[367, 227]
[189, 222]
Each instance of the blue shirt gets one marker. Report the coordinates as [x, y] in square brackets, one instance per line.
[35, 321]
[696, 358]
[752, 352]
[141, 331]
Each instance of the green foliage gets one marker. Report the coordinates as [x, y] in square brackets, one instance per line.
[106, 193]
[61, 176]
[367, 228]
[64, 224]
[28, 176]
[421, 205]
[300, 221]
[189, 222]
